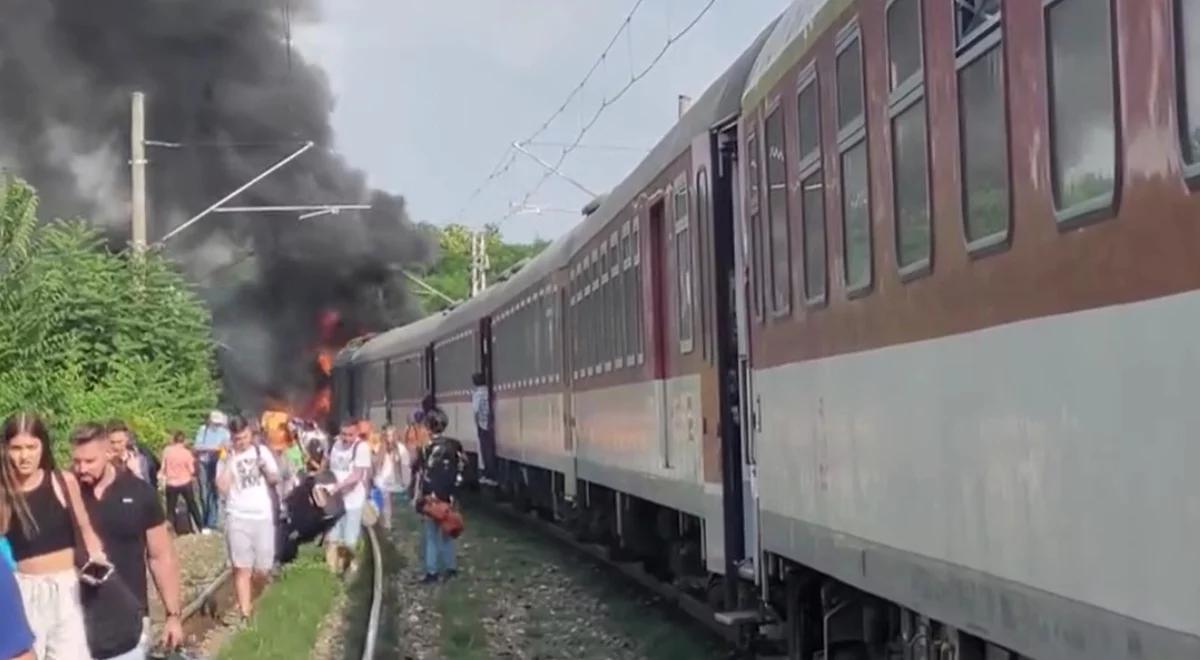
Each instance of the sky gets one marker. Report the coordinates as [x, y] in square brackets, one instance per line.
[430, 94]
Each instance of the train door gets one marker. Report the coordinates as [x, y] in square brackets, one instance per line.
[563, 337]
[659, 281]
[738, 510]
[746, 209]
[483, 359]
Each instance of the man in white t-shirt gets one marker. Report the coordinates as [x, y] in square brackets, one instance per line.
[245, 476]
[350, 462]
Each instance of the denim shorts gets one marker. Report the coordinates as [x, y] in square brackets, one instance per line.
[346, 530]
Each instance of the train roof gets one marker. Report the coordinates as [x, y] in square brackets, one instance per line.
[401, 340]
[793, 34]
[721, 102]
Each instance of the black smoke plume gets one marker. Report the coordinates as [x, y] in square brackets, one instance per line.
[223, 80]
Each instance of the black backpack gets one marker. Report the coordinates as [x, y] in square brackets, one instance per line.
[442, 468]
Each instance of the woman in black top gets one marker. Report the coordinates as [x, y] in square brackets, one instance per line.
[44, 541]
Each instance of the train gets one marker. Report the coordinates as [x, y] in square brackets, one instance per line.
[885, 346]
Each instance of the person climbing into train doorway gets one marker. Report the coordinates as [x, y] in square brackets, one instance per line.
[481, 405]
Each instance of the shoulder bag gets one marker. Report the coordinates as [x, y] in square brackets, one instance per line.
[112, 614]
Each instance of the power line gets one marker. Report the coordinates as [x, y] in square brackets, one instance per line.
[507, 160]
[606, 103]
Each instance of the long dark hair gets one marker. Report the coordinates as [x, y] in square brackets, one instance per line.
[12, 500]
[27, 423]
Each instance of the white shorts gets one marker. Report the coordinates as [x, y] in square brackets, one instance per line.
[346, 530]
[251, 543]
[55, 615]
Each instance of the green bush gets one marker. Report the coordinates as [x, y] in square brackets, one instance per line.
[89, 334]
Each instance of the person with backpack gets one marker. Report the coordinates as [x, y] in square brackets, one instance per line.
[246, 476]
[439, 468]
[350, 462]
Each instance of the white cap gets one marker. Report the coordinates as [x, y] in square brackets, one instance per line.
[217, 418]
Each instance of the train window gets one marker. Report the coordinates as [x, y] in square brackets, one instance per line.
[758, 285]
[1083, 143]
[911, 184]
[850, 84]
[904, 43]
[703, 286]
[910, 160]
[636, 297]
[621, 273]
[809, 110]
[856, 217]
[777, 214]
[683, 268]
[984, 140]
[813, 203]
[973, 19]
[587, 329]
[604, 358]
[852, 157]
[1187, 20]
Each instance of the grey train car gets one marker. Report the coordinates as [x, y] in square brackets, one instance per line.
[886, 342]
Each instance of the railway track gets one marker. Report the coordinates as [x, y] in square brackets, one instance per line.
[694, 608]
[204, 613]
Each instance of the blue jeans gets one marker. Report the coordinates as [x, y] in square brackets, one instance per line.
[208, 485]
[439, 549]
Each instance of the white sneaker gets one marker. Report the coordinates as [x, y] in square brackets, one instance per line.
[206, 532]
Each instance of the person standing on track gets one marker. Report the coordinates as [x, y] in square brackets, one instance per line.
[350, 462]
[129, 519]
[178, 473]
[481, 405]
[439, 469]
[210, 439]
[245, 476]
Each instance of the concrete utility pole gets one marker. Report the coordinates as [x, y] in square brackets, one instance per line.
[137, 165]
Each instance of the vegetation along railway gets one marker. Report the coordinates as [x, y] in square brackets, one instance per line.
[888, 343]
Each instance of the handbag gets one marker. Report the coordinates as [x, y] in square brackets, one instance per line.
[112, 616]
[441, 512]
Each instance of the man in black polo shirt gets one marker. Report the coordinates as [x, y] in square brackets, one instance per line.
[126, 514]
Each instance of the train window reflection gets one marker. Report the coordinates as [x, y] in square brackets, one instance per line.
[1188, 19]
[910, 178]
[984, 146]
[849, 83]
[904, 41]
[777, 214]
[809, 122]
[973, 18]
[813, 202]
[683, 266]
[1083, 145]
[856, 217]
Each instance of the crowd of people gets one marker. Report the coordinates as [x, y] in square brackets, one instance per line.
[77, 543]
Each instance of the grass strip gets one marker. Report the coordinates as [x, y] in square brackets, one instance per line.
[288, 615]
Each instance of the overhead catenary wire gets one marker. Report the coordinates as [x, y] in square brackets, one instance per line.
[506, 161]
[605, 104]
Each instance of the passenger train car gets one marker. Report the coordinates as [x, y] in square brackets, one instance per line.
[888, 341]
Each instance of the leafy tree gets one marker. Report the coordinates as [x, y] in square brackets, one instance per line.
[88, 334]
[451, 274]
